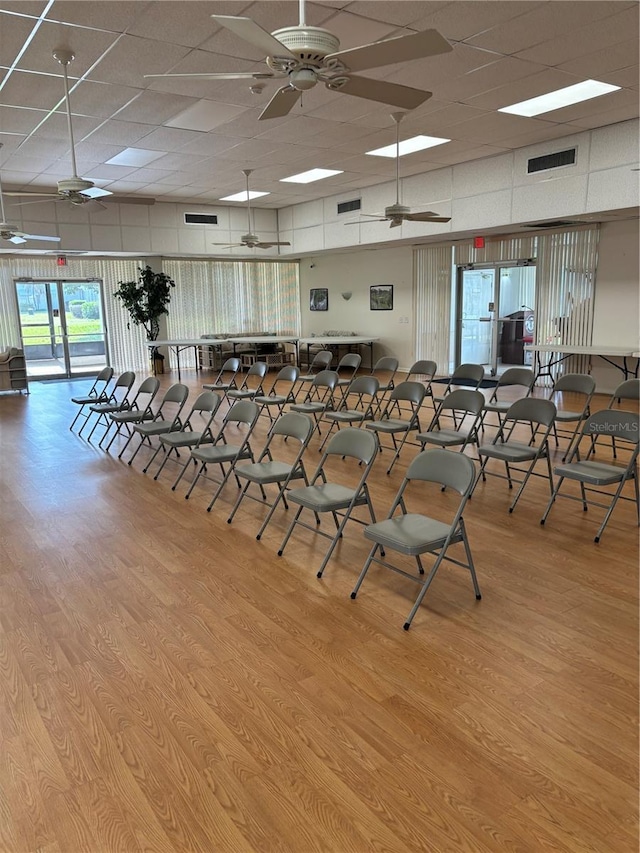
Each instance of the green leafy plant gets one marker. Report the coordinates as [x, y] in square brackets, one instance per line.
[146, 300]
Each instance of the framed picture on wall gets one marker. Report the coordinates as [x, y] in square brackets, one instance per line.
[319, 299]
[381, 297]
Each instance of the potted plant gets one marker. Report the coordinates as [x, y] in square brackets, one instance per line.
[146, 300]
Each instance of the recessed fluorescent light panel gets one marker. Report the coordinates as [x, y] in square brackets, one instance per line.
[243, 196]
[408, 146]
[311, 175]
[135, 157]
[560, 98]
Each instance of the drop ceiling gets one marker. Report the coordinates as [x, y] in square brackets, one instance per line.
[201, 134]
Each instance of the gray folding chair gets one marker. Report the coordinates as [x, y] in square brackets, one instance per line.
[267, 471]
[118, 402]
[327, 496]
[412, 393]
[384, 370]
[464, 409]
[251, 385]
[140, 410]
[535, 415]
[321, 361]
[580, 387]
[226, 378]
[239, 420]
[518, 377]
[596, 476]
[319, 397]
[423, 371]
[414, 534]
[288, 377]
[470, 375]
[361, 398]
[196, 430]
[98, 393]
[166, 419]
[346, 370]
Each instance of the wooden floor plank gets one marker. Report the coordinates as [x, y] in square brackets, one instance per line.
[168, 683]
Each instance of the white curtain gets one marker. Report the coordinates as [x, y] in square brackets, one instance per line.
[214, 297]
[432, 274]
[127, 349]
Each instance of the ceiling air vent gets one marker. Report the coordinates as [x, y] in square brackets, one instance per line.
[349, 206]
[557, 223]
[551, 161]
[200, 219]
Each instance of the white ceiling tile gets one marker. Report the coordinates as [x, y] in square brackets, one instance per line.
[116, 15]
[32, 90]
[133, 57]
[14, 31]
[87, 46]
[466, 18]
[154, 107]
[124, 133]
[17, 120]
[100, 99]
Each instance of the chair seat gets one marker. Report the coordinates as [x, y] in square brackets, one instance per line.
[154, 428]
[108, 408]
[502, 406]
[443, 437]
[264, 472]
[222, 386]
[409, 534]
[131, 416]
[219, 453]
[389, 425]
[272, 400]
[325, 497]
[593, 473]
[86, 401]
[346, 416]
[246, 394]
[309, 408]
[511, 451]
[569, 416]
[180, 438]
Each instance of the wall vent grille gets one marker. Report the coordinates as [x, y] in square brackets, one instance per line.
[551, 161]
[200, 219]
[349, 206]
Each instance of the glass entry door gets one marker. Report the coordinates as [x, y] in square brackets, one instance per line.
[62, 325]
[496, 315]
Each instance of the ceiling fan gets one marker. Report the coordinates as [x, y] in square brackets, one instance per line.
[398, 213]
[250, 240]
[78, 191]
[11, 233]
[304, 55]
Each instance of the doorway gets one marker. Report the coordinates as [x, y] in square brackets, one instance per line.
[62, 327]
[496, 314]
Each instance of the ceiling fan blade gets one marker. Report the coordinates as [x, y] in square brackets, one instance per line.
[17, 240]
[402, 49]
[41, 195]
[270, 245]
[281, 103]
[227, 245]
[248, 30]
[53, 196]
[395, 94]
[240, 75]
[427, 217]
[40, 237]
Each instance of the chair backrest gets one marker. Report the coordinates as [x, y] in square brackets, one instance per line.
[350, 361]
[534, 410]
[230, 366]
[258, 368]
[100, 382]
[294, 425]
[453, 470]
[205, 405]
[148, 389]
[468, 372]
[288, 373]
[321, 360]
[175, 396]
[356, 443]
[325, 379]
[627, 390]
[577, 383]
[613, 423]
[462, 400]
[412, 392]
[364, 386]
[523, 376]
[122, 387]
[242, 412]
[425, 367]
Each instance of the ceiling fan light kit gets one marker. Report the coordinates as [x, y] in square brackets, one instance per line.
[304, 56]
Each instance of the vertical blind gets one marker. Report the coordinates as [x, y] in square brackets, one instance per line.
[433, 303]
[127, 350]
[232, 297]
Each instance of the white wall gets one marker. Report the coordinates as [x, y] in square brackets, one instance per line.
[357, 272]
[617, 299]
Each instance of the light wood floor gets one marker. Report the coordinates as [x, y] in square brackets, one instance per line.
[167, 683]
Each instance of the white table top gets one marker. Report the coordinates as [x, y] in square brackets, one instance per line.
[594, 349]
[347, 339]
[186, 342]
[264, 339]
